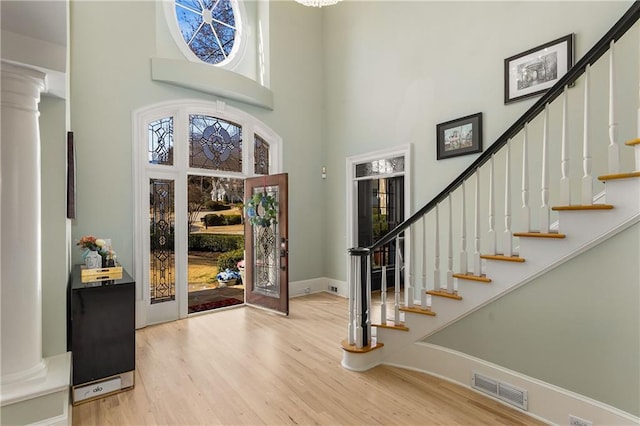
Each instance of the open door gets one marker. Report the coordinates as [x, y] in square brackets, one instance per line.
[266, 233]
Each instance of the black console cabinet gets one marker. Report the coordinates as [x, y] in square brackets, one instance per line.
[101, 333]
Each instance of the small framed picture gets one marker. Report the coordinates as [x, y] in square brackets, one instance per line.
[532, 72]
[460, 136]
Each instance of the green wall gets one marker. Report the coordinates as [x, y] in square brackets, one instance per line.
[577, 327]
[111, 77]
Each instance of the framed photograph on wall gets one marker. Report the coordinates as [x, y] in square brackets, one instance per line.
[532, 72]
[459, 137]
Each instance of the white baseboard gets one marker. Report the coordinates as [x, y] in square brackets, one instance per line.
[316, 285]
[547, 402]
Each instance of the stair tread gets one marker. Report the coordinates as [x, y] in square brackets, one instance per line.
[391, 324]
[583, 207]
[352, 348]
[471, 277]
[535, 234]
[633, 142]
[417, 310]
[619, 176]
[441, 293]
[502, 257]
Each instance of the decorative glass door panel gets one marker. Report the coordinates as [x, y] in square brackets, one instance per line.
[266, 253]
[162, 283]
[267, 256]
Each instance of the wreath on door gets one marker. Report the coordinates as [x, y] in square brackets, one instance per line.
[262, 210]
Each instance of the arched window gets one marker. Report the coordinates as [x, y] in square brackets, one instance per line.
[209, 30]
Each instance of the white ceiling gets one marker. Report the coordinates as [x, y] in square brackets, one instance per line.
[43, 20]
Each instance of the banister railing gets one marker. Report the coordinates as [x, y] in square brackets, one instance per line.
[362, 304]
[599, 49]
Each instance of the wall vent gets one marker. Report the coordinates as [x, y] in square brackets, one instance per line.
[504, 391]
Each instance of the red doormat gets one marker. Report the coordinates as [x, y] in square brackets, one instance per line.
[214, 304]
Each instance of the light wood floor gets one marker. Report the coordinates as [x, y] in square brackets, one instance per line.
[246, 366]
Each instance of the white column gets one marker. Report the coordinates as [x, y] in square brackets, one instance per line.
[545, 210]
[20, 229]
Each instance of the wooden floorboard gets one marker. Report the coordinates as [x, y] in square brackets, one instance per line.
[247, 366]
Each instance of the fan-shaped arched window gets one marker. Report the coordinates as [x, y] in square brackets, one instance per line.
[210, 29]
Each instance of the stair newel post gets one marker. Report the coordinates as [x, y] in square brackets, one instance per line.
[358, 334]
[423, 289]
[492, 209]
[464, 267]
[436, 252]
[383, 296]
[358, 281]
[545, 210]
[587, 182]
[450, 281]
[507, 243]
[526, 210]
[398, 266]
[353, 266]
[614, 156]
[565, 183]
[477, 263]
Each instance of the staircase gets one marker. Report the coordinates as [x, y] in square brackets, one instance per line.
[572, 210]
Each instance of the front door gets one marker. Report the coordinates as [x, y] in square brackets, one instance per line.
[266, 233]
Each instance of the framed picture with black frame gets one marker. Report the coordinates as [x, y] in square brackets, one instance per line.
[533, 72]
[461, 136]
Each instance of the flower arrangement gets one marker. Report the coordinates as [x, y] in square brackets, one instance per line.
[228, 275]
[264, 203]
[91, 243]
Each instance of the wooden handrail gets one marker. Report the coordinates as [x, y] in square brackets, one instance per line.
[600, 48]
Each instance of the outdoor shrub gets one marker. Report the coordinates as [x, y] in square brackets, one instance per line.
[233, 219]
[230, 260]
[213, 219]
[215, 242]
[216, 206]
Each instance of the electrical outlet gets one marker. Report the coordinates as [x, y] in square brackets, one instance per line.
[577, 421]
[333, 289]
[307, 290]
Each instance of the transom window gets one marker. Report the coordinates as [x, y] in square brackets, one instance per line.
[209, 28]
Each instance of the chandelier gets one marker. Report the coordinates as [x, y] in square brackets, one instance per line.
[317, 3]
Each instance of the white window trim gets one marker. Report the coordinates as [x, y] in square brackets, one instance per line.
[239, 45]
[143, 171]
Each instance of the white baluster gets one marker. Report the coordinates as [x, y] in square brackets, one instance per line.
[464, 267]
[526, 210]
[423, 289]
[436, 252]
[507, 242]
[492, 209]
[428, 302]
[587, 182]
[477, 263]
[545, 211]
[383, 296]
[450, 288]
[614, 156]
[398, 265]
[565, 182]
